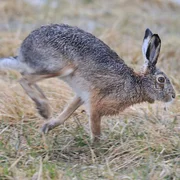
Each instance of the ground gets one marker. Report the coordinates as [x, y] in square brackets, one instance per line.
[143, 142]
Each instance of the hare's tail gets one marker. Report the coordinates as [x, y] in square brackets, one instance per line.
[11, 63]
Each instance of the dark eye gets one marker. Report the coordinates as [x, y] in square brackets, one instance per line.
[161, 79]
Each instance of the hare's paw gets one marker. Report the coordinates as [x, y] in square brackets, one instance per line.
[47, 127]
[44, 109]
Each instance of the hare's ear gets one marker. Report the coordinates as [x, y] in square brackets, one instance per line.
[151, 49]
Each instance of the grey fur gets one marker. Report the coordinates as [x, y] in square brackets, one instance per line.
[52, 47]
[98, 68]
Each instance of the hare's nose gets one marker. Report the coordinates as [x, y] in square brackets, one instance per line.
[173, 95]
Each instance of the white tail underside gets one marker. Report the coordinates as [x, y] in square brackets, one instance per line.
[12, 63]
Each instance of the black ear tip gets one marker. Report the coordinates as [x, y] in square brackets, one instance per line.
[148, 30]
[157, 37]
[148, 33]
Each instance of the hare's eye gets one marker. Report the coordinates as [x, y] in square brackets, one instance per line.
[161, 79]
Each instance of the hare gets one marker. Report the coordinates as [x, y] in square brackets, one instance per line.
[99, 77]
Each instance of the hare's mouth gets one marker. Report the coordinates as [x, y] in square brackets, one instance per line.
[168, 99]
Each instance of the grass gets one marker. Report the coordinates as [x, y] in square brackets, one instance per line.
[143, 142]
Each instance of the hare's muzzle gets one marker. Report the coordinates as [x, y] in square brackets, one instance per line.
[170, 97]
[173, 95]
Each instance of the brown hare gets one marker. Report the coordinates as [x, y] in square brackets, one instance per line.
[99, 77]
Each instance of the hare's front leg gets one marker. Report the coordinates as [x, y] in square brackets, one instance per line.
[76, 102]
[95, 124]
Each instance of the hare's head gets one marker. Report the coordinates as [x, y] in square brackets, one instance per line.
[156, 84]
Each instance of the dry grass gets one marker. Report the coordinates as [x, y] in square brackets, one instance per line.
[142, 143]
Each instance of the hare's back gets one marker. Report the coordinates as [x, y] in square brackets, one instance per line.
[50, 47]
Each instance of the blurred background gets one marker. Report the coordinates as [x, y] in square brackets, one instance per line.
[142, 143]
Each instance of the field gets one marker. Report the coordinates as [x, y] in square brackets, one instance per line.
[142, 143]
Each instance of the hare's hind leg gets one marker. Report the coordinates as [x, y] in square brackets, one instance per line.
[76, 102]
[28, 82]
[36, 94]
